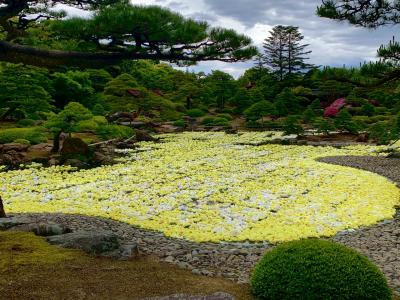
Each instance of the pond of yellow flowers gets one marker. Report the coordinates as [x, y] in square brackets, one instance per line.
[214, 187]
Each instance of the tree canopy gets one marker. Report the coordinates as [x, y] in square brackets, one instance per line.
[366, 13]
[115, 31]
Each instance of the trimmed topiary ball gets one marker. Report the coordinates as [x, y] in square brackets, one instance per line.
[315, 269]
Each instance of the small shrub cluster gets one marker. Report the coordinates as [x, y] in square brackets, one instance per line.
[291, 125]
[91, 124]
[215, 121]
[26, 123]
[114, 132]
[180, 123]
[345, 122]
[316, 269]
[324, 125]
[225, 116]
[22, 142]
[382, 133]
[34, 135]
[195, 113]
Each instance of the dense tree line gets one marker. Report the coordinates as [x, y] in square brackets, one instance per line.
[280, 91]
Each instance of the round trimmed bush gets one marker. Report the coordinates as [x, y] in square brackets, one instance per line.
[180, 123]
[315, 269]
[217, 121]
[195, 113]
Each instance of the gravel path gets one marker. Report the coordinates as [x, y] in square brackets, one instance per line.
[381, 243]
[388, 167]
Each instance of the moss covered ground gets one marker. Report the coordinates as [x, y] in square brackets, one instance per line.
[30, 268]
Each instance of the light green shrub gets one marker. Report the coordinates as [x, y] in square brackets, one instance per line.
[22, 142]
[107, 132]
[215, 121]
[195, 113]
[35, 135]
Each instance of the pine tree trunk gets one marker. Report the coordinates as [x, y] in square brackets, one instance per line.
[2, 212]
[290, 56]
[56, 142]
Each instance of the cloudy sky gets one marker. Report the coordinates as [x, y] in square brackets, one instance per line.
[332, 43]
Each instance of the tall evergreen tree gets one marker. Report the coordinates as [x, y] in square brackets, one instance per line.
[274, 48]
[284, 52]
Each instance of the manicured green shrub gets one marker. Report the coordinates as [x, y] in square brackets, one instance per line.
[35, 135]
[98, 110]
[195, 113]
[86, 125]
[362, 119]
[253, 124]
[381, 110]
[108, 132]
[225, 116]
[259, 110]
[100, 120]
[355, 101]
[211, 121]
[344, 121]
[368, 109]
[379, 118]
[227, 110]
[324, 125]
[309, 115]
[316, 104]
[26, 123]
[382, 132]
[315, 269]
[287, 103]
[180, 107]
[291, 125]
[180, 123]
[22, 142]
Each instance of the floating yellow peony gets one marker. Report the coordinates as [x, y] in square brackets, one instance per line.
[214, 187]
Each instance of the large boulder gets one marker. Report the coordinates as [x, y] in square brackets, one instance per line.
[41, 228]
[102, 159]
[13, 154]
[44, 147]
[7, 223]
[73, 147]
[13, 147]
[143, 136]
[95, 243]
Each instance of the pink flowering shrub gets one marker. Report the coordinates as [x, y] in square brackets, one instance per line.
[334, 108]
[330, 112]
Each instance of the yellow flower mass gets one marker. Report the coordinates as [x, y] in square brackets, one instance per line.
[214, 187]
